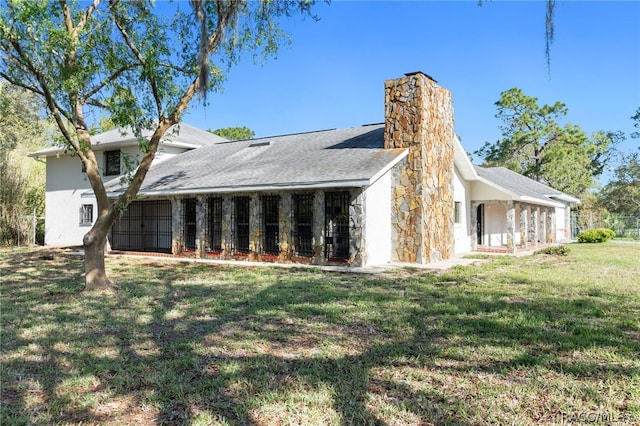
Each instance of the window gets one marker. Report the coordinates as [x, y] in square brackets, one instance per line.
[336, 225]
[303, 224]
[241, 224]
[189, 223]
[457, 205]
[271, 224]
[112, 163]
[214, 223]
[86, 215]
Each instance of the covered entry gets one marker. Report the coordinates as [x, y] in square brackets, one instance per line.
[143, 226]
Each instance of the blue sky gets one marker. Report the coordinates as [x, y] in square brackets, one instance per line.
[332, 75]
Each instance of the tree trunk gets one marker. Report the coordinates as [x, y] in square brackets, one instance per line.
[95, 272]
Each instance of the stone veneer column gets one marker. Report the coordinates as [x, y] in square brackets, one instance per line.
[285, 209]
[533, 230]
[419, 116]
[511, 226]
[551, 218]
[201, 227]
[473, 227]
[227, 231]
[255, 227]
[524, 225]
[318, 228]
[356, 232]
[543, 225]
[176, 226]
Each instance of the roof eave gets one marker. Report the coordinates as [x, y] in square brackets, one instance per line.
[286, 186]
[540, 201]
[389, 166]
[462, 161]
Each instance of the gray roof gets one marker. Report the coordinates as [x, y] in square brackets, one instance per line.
[521, 185]
[332, 158]
[180, 135]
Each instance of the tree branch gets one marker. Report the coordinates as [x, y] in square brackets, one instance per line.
[152, 82]
[52, 105]
[108, 80]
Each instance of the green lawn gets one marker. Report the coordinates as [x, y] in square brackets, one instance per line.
[530, 340]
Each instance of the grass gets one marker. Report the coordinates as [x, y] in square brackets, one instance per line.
[530, 340]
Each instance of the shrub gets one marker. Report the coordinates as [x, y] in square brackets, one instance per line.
[554, 250]
[599, 235]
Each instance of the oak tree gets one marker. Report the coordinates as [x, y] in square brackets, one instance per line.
[234, 133]
[538, 145]
[621, 195]
[138, 62]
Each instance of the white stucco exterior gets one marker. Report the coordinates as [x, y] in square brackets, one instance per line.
[563, 223]
[495, 225]
[489, 201]
[462, 227]
[68, 190]
[377, 224]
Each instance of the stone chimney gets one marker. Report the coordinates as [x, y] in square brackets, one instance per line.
[419, 116]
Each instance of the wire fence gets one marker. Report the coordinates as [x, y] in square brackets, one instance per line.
[23, 230]
[624, 226]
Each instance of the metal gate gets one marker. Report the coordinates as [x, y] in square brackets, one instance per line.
[143, 226]
[336, 225]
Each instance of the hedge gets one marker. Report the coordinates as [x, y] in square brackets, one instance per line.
[599, 235]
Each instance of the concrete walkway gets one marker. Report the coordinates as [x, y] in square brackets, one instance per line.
[372, 269]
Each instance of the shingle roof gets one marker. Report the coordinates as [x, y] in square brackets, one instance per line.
[183, 135]
[338, 158]
[180, 133]
[521, 185]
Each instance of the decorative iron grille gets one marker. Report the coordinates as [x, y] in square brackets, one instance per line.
[271, 224]
[303, 224]
[144, 226]
[240, 221]
[189, 223]
[214, 223]
[336, 225]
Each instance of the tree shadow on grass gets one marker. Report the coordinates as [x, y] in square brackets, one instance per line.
[184, 344]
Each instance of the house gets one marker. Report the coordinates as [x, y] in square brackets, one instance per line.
[400, 191]
[68, 216]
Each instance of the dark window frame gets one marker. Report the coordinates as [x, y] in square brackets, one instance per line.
[112, 162]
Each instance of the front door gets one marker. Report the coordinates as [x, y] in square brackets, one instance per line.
[480, 224]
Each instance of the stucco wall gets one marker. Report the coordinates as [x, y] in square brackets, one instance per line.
[64, 188]
[563, 231]
[462, 229]
[377, 224]
[65, 184]
[495, 225]
[482, 191]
